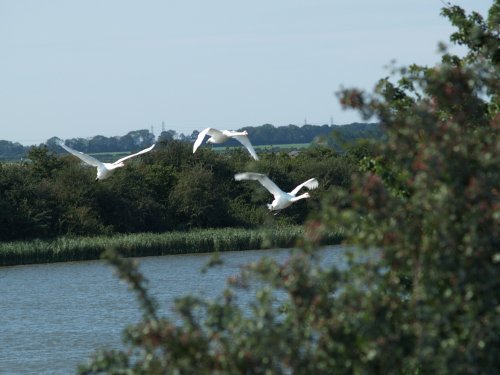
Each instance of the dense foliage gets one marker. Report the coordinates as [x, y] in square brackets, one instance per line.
[168, 189]
[426, 207]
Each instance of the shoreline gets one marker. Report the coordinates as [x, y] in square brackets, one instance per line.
[69, 249]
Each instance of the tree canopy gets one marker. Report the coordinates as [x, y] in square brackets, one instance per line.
[50, 195]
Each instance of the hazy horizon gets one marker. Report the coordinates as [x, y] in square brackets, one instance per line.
[82, 69]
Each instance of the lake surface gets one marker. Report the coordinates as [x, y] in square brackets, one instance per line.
[54, 316]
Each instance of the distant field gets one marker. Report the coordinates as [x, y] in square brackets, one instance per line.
[285, 146]
[10, 161]
[121, 153]
[101, 156]
[109, 156]
[113, 156]
[288, 146]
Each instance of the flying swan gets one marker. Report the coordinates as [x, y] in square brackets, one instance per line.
[104, 170]
[217, 136]
[281, 199]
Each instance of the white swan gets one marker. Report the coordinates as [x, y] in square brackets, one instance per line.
[104, 170]
[281, 199]
[217, 136]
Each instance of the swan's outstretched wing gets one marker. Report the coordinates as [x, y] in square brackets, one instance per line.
[263, 179]
[243, 139]
[311, 184]
[134, 155]
[201, 136]
[86, 158]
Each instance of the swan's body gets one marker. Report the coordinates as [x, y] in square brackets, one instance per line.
[281, 199]
[104, 170]
[217, 136]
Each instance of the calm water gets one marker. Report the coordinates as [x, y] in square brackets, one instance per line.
[53, 316]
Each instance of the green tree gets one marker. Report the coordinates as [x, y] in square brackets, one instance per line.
[43, 161]
[197, 199]
[427, 303]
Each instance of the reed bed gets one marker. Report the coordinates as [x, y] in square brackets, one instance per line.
[65, 249]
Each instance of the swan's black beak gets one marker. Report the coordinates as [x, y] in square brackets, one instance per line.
[97, 179]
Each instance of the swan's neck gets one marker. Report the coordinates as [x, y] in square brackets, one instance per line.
[111, 166]
[303, 196]
[245, 133]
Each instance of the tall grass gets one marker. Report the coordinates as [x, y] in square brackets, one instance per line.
[66, 249]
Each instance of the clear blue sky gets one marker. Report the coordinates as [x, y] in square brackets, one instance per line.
[82, 68]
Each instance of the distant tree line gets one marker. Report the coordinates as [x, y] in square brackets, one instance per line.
[270, 135]
[131, 141]
[261, 135]
[11, 150]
